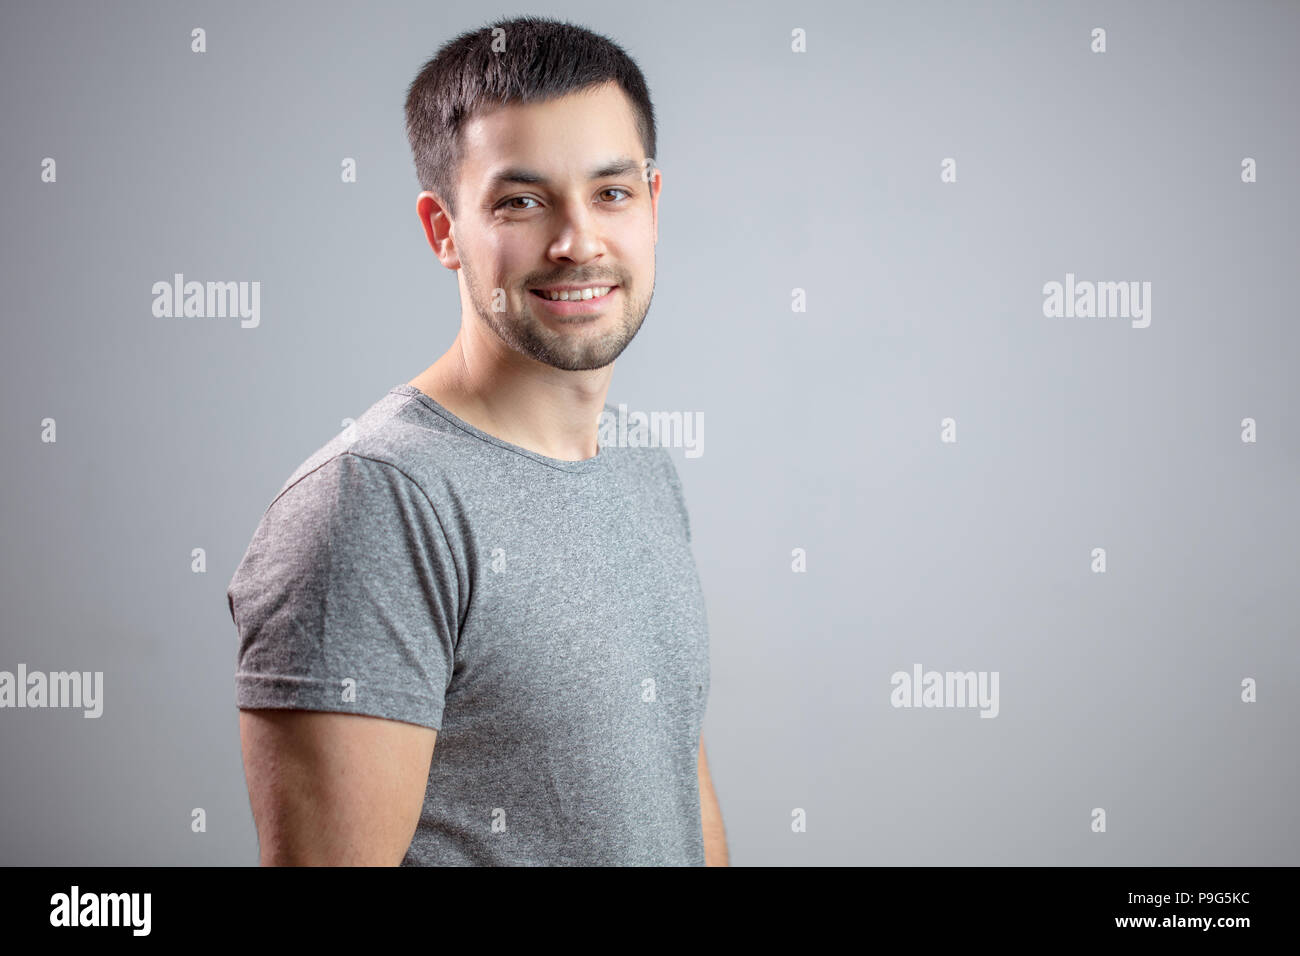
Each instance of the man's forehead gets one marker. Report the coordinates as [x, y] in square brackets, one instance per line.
[602, 100]
[589, 133]
[530, 176]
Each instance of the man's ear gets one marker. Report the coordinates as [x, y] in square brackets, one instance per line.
[656, 184]
[437, 228]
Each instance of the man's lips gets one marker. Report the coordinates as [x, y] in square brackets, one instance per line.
[575, 306]
[544, 290]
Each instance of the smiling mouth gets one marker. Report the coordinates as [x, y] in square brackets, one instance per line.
[588, 294]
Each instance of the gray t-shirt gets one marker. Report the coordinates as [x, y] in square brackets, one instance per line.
[545, 616]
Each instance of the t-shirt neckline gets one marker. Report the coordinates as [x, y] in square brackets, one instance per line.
[576, 467]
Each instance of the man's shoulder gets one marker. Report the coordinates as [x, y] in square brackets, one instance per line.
[394, 437]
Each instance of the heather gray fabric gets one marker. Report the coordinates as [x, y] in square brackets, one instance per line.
[544, 616]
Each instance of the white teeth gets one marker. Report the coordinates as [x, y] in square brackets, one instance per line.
[591, 292]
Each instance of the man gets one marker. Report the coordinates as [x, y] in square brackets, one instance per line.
[471, 630]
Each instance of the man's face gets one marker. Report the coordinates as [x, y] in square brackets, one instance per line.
[556, 194]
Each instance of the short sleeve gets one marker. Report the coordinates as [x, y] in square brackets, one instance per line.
[347, 598]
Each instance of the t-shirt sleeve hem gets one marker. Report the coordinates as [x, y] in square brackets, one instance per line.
[281, 691]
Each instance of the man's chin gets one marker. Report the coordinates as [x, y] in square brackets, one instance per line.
[572, 344]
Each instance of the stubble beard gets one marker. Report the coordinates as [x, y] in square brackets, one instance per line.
[574, 349]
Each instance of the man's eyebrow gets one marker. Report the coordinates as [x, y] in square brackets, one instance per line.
[530, 177]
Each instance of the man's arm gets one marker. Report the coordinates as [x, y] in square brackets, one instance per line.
[334, 789]
[715, 837]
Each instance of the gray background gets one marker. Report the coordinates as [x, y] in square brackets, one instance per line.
[819, 171]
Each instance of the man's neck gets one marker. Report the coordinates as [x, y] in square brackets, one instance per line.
[518, 400]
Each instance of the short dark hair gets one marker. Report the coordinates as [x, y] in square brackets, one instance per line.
[543, 59]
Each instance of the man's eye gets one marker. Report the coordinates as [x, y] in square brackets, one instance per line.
[506, 204]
